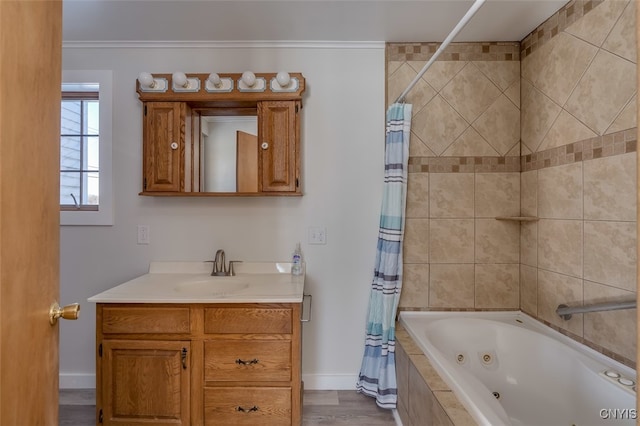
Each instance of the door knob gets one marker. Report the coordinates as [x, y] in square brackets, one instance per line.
[69, 312]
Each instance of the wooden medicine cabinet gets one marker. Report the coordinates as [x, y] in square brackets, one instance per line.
[230, 140]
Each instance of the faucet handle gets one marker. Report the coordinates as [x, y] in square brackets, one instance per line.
[232, 271]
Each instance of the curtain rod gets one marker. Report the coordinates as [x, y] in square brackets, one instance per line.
[465, 19]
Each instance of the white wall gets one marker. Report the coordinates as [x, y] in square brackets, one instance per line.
[342, 170]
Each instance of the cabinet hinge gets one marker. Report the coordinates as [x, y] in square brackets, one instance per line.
[145, 110]
[100, 350]
[144, 184]
[296, 109]
[297, 183]
[100, 416]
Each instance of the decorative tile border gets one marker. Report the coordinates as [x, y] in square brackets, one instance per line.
[565, 16]
[609, 145]
[464, 164]
[487, 51]
[623, 360]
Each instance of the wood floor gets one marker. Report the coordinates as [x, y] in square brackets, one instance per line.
[321, 408]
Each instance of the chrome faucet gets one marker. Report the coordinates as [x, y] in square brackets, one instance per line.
[219, 267]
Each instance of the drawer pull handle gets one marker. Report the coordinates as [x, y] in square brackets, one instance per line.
[183, 355]
[247, 410]
[249, 362]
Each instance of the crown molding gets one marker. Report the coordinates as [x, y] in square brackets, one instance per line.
[239, 44]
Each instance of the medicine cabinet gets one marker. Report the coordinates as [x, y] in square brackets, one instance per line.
[227, 140]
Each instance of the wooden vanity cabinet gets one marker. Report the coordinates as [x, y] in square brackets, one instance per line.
[199, 364]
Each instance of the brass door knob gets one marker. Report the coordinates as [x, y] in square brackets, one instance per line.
[69, 312]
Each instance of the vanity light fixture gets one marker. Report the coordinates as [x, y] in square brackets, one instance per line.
[148, 83]
[215, 83]
[182, 83]
[250, 83]
[283, 82]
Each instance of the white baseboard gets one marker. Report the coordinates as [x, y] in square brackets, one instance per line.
[329, 381]
[77, 381]
[311, 381]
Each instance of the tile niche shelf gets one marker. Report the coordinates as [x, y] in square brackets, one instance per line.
[519, 218]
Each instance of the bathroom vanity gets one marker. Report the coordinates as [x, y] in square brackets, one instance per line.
[178, 346]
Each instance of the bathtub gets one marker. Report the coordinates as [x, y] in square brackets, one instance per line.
[508, 369]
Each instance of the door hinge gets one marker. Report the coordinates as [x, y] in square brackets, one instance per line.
[100, 350]
[100, 416]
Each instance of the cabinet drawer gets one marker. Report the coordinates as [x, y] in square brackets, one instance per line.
[236, 406]
[248, 320]
[125, 320]
[247, 361]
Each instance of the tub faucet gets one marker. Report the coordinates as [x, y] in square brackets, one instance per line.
[219, 267]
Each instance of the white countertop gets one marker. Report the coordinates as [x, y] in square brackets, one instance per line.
[191, 282]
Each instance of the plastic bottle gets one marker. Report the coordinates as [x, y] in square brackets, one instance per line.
[296, 261]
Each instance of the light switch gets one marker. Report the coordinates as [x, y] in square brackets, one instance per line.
[317, 235]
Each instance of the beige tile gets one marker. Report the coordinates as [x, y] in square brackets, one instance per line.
[497, 194]
[452, 286]
[539, 113]
[614, 330]
[622, 39]
[565, 130]
[418, 195]
[560, 192]
[402, 376]
[556, 289]
[529, 193]
[451, 195]
[502, 73]
[529, 243]
[419, 96]
[500, 125]
[408, 345]
[415, 286]
[627, 119]
[451, 240]
[420, 398]
[610, 188]
[595, 25]
[470, 144]
[470, 92]
[392, 66]
[497, 241]
[454, 409]
[565, 65]
[438, 125]
[529, 289]
[515, 150]
[426, 372]
[497, 286]
[440, 72]
[610, 253]
[416, 241]
[605, 88]
[513, 93]
[417, 148]
[531, 66]
[560, 246]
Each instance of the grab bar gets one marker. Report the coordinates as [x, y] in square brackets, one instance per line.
[565, 311]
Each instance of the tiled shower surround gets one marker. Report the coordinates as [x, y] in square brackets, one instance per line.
[544, 128]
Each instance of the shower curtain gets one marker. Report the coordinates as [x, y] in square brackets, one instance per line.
[377, 376]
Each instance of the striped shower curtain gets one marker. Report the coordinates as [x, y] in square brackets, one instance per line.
[377, 374]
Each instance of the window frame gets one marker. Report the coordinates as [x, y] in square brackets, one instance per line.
[103, 215]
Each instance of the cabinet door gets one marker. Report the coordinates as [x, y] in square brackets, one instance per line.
[145, 382]
[279, 136]
[164, 144]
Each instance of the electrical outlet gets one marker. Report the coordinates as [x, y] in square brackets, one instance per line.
[143, 234]
[317, 235]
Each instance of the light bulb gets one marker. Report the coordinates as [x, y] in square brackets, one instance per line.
[283, 78]
[146, 80]
[249, 78]
[180, 79]
[214, 79]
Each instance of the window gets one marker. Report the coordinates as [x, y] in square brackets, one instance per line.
[85, 148]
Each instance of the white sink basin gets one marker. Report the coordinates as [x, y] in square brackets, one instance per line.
[213, 286]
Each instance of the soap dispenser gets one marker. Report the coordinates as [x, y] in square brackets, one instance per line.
[296, 261]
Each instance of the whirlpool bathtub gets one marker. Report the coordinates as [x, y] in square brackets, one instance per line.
[508, 369]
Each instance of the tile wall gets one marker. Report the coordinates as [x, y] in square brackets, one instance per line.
[545, 127]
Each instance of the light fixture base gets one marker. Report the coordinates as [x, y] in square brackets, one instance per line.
[293, 85]
[160, 86]
[259, 86]
[226, 85]
[193, 86]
